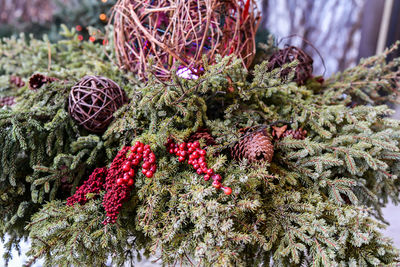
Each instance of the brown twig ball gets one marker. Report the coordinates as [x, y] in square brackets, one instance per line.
[182, 31]
[93, 101]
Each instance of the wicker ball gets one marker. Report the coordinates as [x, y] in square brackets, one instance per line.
[303, 70]
[182, 31]
[93, 101]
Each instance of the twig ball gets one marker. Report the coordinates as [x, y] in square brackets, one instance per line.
[182, 31]
[93, 101]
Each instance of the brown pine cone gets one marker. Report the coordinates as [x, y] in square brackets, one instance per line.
[254, 146]
[7, 101]
[17, 81]
[38, 80]
[299, 134]
[202, 133]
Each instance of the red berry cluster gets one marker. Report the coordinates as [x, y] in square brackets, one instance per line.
[197, 158]
[94, 185]
[120, 176]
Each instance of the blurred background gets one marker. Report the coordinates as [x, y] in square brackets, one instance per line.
[336, 33]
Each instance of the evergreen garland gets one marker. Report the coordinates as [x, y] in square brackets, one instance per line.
[314, 204]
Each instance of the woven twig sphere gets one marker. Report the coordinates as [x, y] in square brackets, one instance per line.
[303, 70]
[93, 101]
[183, 31]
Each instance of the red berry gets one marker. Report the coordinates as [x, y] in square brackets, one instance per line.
[216, 184]
[196, 166]
[195, 154]
[181, 159]
[152, 159]
[206, 177]
[126, 167]
[153, 168]
[202, 159]
[196, 144]
[146, 165]
[203, 165]
[138, 143]
[182, 146]
[126, 178]
[120, 181]
[140, 149]
[131, 173]
[131, 156]
[149, 174]
[189, 145]
[191, 156]
[130, 182]
[144, 171]
[146, 147]
[195, 161]
[134, 149]
[135, 162]
[191, 149]
[216, 177]
[202, 152]
[146, 153]
[183, 153]
[171, 151]
[139, 156]
[210, 171]
[190, 162]
[204, 170]
[199, 171]
[227, 190]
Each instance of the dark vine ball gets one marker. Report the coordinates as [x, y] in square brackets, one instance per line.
[93, 101]
[303, 70]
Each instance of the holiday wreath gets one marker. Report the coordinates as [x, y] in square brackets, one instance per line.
[224, 166]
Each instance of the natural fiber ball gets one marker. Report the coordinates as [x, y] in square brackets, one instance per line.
[182, 31]
[303, 70]
[93, 101]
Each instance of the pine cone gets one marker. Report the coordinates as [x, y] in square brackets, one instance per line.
[202, 133]
[17, 81]
[7, 101]
[299, 134]
[255, 147]
[38, 80]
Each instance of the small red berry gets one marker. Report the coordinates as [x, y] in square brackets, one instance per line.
[135, 162]
[152, 159]
[140, 149]
[126, 178]
[202, 159]
[134, 149]
[171, 151]
[131, 173]
[203, 165]
[199, 171]
[202, 152]
[146, 147]
[189, 145]
[206, 177]
[120, 181]
[138, 143]
[195, 154]
[216, 184]
[146, 165]
[126, 167]
[190, 162]
[131, 156]
[196, 166]
[144, 171]
[191, 149]
[196, 144]
[181, 159]
[182, 146]
[153, 168]
[183, 153]
[216, 177]
[149, 174]
[210, 171]
[130, 182]
[227, 190]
